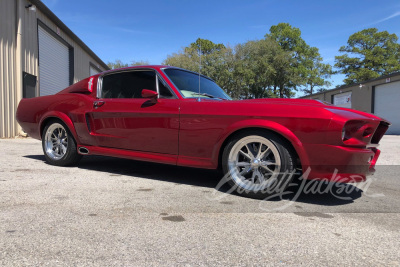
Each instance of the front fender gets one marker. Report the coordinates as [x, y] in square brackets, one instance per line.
[61, 116]
[264, 124]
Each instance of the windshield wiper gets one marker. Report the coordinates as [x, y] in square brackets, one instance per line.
[208, 95]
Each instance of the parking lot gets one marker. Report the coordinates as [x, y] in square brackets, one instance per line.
[108, 211]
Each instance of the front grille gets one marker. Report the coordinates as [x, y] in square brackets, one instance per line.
[380, 131]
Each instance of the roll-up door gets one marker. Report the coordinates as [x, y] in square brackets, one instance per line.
[93, 71]
[54, 69]
[387, 104]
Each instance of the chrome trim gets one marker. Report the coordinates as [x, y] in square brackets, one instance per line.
[83, 150]
[166, 85]
[372, 145]
[99, 85]
[157, 88]
[100, 80]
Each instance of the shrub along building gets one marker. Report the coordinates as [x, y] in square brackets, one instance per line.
[39, 55]
[380, 96]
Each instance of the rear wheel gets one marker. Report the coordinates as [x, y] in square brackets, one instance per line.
[258, 164]
[58, 144]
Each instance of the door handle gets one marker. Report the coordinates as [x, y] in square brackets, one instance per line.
[97, 104]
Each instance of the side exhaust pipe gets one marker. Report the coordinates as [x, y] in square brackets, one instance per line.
[83, 150]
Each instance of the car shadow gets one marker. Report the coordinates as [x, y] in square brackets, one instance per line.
[321, 193]
[310, 192]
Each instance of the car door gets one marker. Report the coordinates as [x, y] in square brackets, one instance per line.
[122, 119]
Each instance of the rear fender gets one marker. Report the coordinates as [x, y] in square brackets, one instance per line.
[61, 116]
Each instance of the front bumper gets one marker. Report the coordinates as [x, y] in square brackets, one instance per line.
[339, 163]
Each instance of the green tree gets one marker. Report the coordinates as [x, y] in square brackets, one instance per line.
[117, 64]
[374, 54]
[306, 70]
[216, 61]
[139, 63]
[317, 72]
[206, 47]
[259, 65]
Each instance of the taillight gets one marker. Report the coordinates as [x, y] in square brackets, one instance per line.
[90, 84]
[357, 133]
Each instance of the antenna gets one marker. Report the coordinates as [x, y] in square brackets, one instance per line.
[198, 99]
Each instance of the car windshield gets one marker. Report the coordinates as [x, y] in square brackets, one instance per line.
[188, 84]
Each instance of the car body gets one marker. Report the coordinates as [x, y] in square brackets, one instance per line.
[190, 129]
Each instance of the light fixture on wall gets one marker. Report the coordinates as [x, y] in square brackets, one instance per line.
[31, 7]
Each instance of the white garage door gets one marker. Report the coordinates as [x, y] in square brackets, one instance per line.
[387, 104]
[53, 64]
[342, 100]
[93, 71]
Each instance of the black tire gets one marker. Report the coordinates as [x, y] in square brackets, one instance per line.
[273, 183]
[65, 144]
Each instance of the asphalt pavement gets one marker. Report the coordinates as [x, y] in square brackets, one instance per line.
[117, 212]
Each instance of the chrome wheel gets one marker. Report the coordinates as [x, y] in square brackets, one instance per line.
[56, 141]
[254, 163]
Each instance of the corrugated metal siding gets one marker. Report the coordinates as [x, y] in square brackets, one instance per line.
[53, 64]
[8, 126]
[9, 94]
[81, 58]
[30, 41]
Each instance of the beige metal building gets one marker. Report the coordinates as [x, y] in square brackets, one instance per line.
[39, 55]
[380, 96]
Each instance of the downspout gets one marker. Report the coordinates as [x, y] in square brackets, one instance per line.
[18, 61]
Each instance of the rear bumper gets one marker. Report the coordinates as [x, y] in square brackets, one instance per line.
[340, 164]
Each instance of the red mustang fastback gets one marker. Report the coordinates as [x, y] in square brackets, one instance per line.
[169, 115]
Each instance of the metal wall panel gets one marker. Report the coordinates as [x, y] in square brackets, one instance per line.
[93, 71]
[10, 82]
[8, 125]
[82, 59]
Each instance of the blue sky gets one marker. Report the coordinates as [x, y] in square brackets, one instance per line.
[150, 30]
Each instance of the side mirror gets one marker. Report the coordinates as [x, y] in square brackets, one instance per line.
[149, 94]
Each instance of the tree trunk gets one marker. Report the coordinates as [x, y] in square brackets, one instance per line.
[281, 88]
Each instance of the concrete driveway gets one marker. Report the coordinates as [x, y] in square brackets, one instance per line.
[107, 212]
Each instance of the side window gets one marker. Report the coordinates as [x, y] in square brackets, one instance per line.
[128, 84]
[163, 89]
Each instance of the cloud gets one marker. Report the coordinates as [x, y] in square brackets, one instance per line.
[387, 18]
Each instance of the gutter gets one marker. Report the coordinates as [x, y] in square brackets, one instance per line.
[44, 9]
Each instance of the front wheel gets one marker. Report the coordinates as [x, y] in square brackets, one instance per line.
[258, 164]
[59, 146]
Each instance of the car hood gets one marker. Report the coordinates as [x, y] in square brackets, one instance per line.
[313, 103]
[286, 101]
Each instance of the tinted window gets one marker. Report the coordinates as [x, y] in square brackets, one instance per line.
[128, 84]
[188, 84]
[163, 89]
